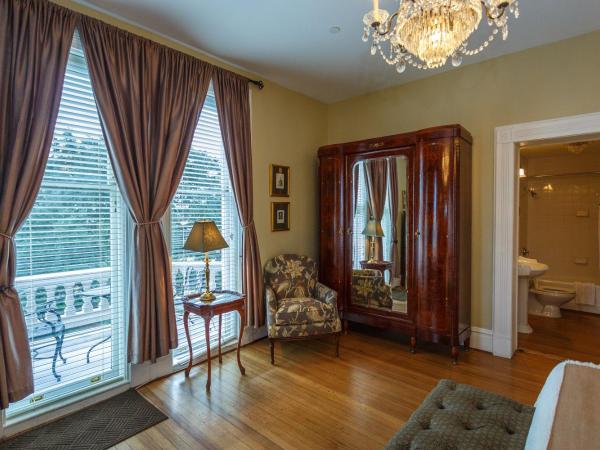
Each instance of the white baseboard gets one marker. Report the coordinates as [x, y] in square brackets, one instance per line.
[481, 339]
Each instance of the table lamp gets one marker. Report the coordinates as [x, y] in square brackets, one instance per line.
[205, 237]
[373, 230]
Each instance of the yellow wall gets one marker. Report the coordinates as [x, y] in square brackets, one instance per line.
[287, 128]
[552, 81]
[556, 80]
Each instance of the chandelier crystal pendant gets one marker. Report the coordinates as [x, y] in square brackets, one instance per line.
[425, 33]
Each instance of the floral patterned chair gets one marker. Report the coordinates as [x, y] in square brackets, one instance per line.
[369, 289]
[298, 306]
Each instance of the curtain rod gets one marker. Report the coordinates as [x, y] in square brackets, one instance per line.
[258, 83]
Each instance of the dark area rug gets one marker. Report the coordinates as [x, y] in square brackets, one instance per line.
[97, 427]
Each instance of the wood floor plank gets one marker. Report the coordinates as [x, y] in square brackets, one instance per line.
[575, 335]
[310, 399]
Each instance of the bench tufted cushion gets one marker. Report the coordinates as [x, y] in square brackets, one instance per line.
[459, 416]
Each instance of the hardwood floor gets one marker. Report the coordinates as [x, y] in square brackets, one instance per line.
[310, 399]
[575, 336]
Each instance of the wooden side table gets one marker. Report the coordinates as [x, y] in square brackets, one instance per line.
[225, 301]
[382, 266]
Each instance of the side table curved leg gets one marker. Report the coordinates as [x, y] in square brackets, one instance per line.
[220, 321]
[186, 317]
[207, 334]
[242, 323]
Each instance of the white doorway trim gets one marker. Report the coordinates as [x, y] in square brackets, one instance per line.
[504, 286]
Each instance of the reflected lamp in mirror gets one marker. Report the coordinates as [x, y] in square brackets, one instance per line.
[373, 230]
[205, 237]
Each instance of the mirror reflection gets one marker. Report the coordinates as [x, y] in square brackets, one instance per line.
[379, 241]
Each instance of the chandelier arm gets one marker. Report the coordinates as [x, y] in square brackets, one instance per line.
[375, 25]
[501, 7]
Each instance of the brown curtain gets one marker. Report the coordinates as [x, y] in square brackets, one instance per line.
[233, 106]
[35, 38]
[376, 181]
[355, 184]
[394, 203]
[149, 98]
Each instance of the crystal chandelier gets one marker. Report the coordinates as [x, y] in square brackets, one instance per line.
[425, 33]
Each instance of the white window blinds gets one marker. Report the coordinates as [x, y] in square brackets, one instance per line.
[69, 253]
[360, 218]
[204, 193]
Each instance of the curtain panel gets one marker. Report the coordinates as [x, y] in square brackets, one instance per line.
[149, 98]
[233, 106]
[394, 210]
[376, 182]
[31, 83]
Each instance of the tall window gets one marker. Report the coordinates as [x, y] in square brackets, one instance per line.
[69, 253]
[360, 219]
[204, 193]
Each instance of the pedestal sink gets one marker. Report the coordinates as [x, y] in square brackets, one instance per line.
[528, 268]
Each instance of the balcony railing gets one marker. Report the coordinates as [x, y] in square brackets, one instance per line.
[71, 317]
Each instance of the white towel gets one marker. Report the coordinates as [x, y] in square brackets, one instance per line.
[585, 293]
[597, 290]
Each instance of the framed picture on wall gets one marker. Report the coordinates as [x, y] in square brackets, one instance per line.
[279, 181]
[280, 216]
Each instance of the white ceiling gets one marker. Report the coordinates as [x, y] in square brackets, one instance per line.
[289, 42]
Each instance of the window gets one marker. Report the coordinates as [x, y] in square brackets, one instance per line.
[69, 255]
[204, 193]
[359, 244]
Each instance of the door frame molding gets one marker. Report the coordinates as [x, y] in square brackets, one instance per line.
[505, 228]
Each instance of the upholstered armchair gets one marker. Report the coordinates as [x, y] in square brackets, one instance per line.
[370, 289]
[298, 306]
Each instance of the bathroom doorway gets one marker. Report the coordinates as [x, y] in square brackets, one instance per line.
[558, 292]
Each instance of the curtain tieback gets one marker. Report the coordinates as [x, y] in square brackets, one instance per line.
[10, 238]
[245, 227]
[141, 224]
[3, 289]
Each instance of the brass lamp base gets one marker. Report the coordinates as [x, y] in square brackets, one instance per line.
[372, 251]
[207, 296]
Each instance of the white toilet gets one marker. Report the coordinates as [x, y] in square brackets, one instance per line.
[549, 300]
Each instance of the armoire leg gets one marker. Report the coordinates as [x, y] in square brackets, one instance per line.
[413, 344]
[455, 354]
[272, 345]
[467, 344]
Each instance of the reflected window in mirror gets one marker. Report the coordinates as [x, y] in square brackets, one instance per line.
[380, 233]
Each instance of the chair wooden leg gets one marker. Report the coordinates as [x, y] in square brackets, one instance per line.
[272, 345]
[337, 344]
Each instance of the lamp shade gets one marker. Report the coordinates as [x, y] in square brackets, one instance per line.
[205, 237]
[373, 229]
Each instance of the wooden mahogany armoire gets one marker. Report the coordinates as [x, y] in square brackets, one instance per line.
[395, 233]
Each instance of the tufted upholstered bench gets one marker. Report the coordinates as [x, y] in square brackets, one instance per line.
[460, 417]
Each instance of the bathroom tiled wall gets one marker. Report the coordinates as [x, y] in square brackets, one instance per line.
[559, 222]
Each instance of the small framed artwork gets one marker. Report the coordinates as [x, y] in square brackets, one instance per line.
[279, 181]
[280, 216]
